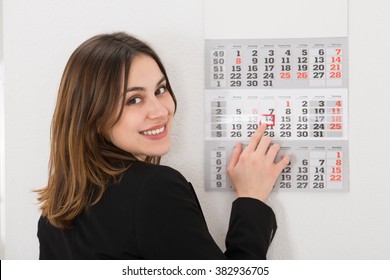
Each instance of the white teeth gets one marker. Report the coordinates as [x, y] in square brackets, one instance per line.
[154, 132]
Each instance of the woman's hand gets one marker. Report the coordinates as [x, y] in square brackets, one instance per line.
[253, 171]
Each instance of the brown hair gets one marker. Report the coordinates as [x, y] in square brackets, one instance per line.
[82, 158]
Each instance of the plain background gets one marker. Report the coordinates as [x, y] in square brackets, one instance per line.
[39, 36]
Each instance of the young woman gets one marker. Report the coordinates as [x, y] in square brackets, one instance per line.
[107, 196]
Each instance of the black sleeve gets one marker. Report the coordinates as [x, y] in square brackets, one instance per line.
[169, 224]
[251, 229]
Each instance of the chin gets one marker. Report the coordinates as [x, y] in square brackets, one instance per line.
[158, 153]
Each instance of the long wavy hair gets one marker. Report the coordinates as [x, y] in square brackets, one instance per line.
[82, 159]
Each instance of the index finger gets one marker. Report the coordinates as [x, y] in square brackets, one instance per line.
[256, 137]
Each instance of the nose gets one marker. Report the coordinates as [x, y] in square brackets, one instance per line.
[156, 109]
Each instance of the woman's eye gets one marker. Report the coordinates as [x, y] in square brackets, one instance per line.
[161, 90]
[134, 100]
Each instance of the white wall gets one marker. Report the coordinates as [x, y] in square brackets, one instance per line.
[40, 35]
[2, 144]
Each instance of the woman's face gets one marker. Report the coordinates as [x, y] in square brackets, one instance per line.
[144, 126]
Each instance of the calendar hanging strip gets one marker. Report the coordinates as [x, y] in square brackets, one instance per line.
[299, 88]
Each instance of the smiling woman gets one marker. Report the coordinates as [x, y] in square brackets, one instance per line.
[107, 197]
[146, 119]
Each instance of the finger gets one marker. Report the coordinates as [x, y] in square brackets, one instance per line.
[272, 152]
[256, 137]
[235, 157]
[264, 145]
[282, 164]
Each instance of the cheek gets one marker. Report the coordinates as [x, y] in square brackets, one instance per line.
[125, 125]
[170, 105]
[115, 135]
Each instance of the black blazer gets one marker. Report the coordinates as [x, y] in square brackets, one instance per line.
[153, 213]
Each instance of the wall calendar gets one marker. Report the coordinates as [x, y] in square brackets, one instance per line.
[299, 88]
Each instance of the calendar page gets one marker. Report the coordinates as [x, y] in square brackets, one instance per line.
[299, 88]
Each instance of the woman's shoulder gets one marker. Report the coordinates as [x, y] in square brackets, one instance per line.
[143, 180]
[152, 175]
[157, 179]
[144, 169]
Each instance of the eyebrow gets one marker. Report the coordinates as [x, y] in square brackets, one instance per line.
[142, 88]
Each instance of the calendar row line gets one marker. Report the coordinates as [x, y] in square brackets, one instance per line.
[325, 131]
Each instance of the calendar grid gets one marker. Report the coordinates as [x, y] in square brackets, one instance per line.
[299, 88]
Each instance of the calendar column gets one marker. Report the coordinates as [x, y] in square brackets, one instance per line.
[235, 117]
[267, 55]
[284, 120]
[218, 118]
[302, 167]
[285, 181]
[317, 169]
[334, 67]
[268, 114]
[218, 168]
[302, 62]
[218, 68]
[251, 112]
[235, 67]
[334, 118]
[335, 170]
[317, 66]
[302, 118]
[284, 66]
[317, 112]
[252, 71]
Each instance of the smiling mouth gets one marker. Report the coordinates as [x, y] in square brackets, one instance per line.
[154, 131]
